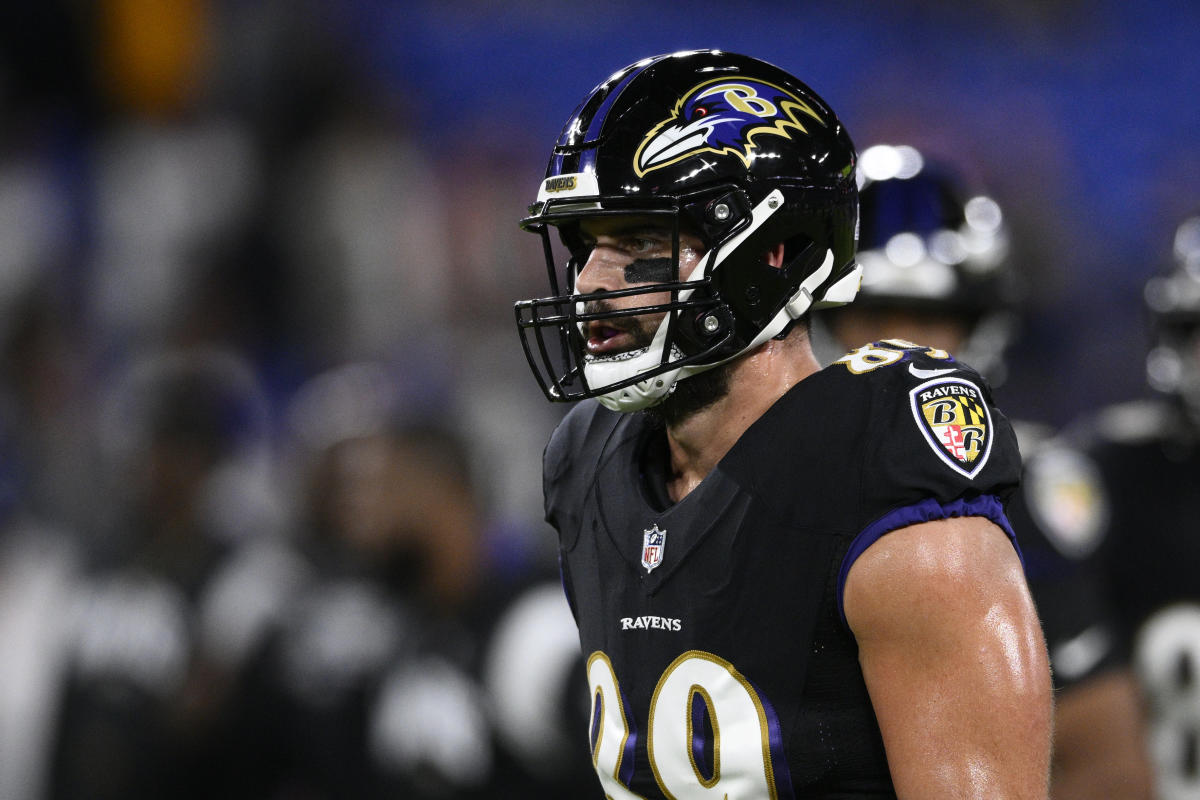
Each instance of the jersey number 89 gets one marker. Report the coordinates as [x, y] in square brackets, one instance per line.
[708, 735]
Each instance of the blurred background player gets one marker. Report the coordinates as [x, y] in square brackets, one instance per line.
[936, 271]
[385, 674]
[39, 568]
[1148, 452]
[185, 478]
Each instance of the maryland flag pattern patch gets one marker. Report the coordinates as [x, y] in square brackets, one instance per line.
[955, 420]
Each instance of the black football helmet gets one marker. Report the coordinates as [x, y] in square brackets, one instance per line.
[1173, 302]
[929, 245]
[726, 146]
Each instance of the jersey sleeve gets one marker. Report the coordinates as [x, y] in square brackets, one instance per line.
[937, 447]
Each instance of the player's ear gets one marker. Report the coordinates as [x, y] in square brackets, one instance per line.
[774, 256]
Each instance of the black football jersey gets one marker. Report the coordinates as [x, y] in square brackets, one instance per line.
[1060, 517]
[1149, 456]
[718, 658]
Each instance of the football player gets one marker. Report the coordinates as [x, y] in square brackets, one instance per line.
[936, 270]
[144, 683]
[789, 581]
[383, 658]
[1148, 452]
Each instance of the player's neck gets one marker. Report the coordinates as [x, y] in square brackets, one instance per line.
[699, 441]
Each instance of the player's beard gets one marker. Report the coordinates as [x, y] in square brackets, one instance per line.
[692, 395]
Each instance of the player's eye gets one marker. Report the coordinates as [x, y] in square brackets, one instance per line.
[642, 245]
[646, 243]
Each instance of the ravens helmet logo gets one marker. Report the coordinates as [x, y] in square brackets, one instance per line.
[722, 116]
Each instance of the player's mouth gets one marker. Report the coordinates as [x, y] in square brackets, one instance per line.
[614, 337]
[606, 339]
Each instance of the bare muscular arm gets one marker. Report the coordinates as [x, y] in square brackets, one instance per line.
[955, 661]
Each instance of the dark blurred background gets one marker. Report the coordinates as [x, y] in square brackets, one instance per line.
[312, 205]
[311, 182]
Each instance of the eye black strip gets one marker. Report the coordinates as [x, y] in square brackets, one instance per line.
[649, 270]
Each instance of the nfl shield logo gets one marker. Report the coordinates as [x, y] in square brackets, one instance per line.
[653, 543]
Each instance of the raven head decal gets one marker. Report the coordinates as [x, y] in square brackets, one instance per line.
[722, 116]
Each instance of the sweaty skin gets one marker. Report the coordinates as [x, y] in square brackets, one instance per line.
[623, 253]
[954, 659]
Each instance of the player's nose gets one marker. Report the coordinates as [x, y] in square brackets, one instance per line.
[604, 271]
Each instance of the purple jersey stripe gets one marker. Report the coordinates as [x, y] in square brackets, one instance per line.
[627, 755]
[779, 762]
[927, 510]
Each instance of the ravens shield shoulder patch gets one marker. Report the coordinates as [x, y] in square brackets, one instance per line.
[955, 420]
